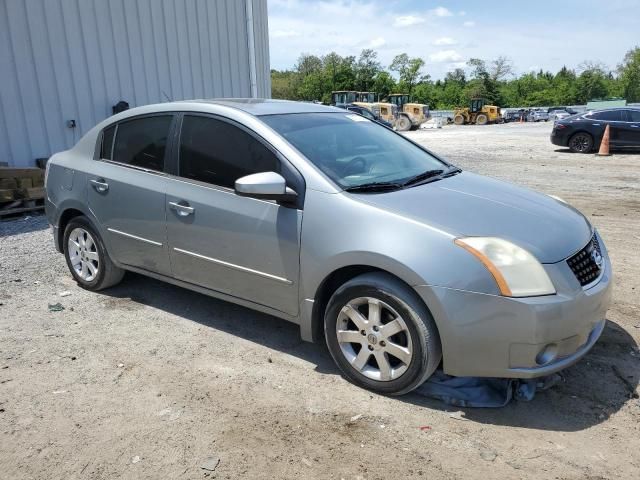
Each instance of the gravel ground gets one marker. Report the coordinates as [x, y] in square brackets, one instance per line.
[147, 380]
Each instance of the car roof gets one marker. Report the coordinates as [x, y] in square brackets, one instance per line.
[265, 106]
[611, 109]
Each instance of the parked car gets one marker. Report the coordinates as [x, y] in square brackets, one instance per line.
[558, 115]
[537, 116]
[569, 110]
[583, 133]
[513, 116]
[397, 258]
[367, 114]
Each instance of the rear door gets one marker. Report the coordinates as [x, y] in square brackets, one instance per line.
[630, 130]
[240, 246]
[613, 118]
[127, 188]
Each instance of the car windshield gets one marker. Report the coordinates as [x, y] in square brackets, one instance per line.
[352, 150]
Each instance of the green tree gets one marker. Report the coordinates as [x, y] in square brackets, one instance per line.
[339, 72]
[367, 68]
[384, 84]
[629, 72]
[408, 69]
[591, 83]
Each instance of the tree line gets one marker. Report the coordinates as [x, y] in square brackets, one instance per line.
[315, 77]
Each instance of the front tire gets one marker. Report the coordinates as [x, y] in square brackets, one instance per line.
[404, 124]
[381, 335]
[581, 142]
[87, 257]
[482, 119]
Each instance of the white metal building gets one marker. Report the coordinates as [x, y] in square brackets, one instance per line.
[65, 63]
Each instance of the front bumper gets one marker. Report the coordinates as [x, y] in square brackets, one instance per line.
[493, 336]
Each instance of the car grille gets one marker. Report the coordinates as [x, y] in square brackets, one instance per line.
[588, 263]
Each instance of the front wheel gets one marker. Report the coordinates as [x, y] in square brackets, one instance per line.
[381, 335]
[581, 142]
[482, 119]
[404, 124]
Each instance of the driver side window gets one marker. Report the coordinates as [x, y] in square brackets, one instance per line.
[217, 152]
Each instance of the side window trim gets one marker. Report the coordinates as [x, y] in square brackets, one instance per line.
[299, 186]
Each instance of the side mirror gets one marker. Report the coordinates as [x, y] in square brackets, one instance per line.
[266, 186]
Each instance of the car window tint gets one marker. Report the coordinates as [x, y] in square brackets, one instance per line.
[107, 143]
[633, 115]
[142, 142]
[219, 153]
[610, 115]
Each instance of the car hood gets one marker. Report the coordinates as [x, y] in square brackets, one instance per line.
[472, 205]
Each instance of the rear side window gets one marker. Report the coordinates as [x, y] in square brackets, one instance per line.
[107, 143]
[611, 116]
[219, 153]
[633, 115]
[142, 142]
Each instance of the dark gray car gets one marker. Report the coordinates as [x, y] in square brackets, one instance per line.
[313, 214]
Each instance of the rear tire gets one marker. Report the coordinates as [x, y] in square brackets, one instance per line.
[482, 119]
[581, 142]
[87, 258]
[400, 347]
[404, 124]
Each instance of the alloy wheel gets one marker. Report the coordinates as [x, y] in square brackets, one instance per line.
[374, 339]
[83, 254]
[581, 143]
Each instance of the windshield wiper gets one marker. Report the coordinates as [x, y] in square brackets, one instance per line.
[453, 171]
[374, 187]
[422, 177]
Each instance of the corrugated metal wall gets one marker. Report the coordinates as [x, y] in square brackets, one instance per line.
[64, 60]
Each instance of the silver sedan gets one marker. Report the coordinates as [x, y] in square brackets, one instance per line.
[399, 260]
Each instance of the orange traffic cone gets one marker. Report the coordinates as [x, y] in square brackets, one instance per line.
[604, 144]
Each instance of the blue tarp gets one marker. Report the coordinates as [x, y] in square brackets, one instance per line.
[482, 392]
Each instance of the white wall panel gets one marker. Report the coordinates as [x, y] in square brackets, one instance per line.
[66, 60]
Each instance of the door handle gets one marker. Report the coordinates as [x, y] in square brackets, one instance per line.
[182, 209]
[100, 185]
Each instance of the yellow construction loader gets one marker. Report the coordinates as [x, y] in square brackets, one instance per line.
[477, 113]
[383, 110]
[410, 115]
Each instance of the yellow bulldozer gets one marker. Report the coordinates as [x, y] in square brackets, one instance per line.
[410, 115]
[384, 110]
[477, 113]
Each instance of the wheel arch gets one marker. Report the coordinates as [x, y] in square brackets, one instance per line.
[314, 331]
[66, 216]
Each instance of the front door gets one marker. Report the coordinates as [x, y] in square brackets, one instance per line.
[240, 246]
[126, 192]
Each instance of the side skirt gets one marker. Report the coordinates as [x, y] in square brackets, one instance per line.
[214, 293]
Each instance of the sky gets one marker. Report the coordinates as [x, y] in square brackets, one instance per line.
[533, 34]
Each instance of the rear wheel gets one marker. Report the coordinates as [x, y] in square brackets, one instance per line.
[458, 119]
[482, 119]
[404, 124]
[581, 142]
[381, 335]
[87, 258]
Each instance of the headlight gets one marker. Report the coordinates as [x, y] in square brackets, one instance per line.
[516, 271]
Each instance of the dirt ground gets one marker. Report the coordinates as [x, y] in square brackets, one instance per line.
[148, 380]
